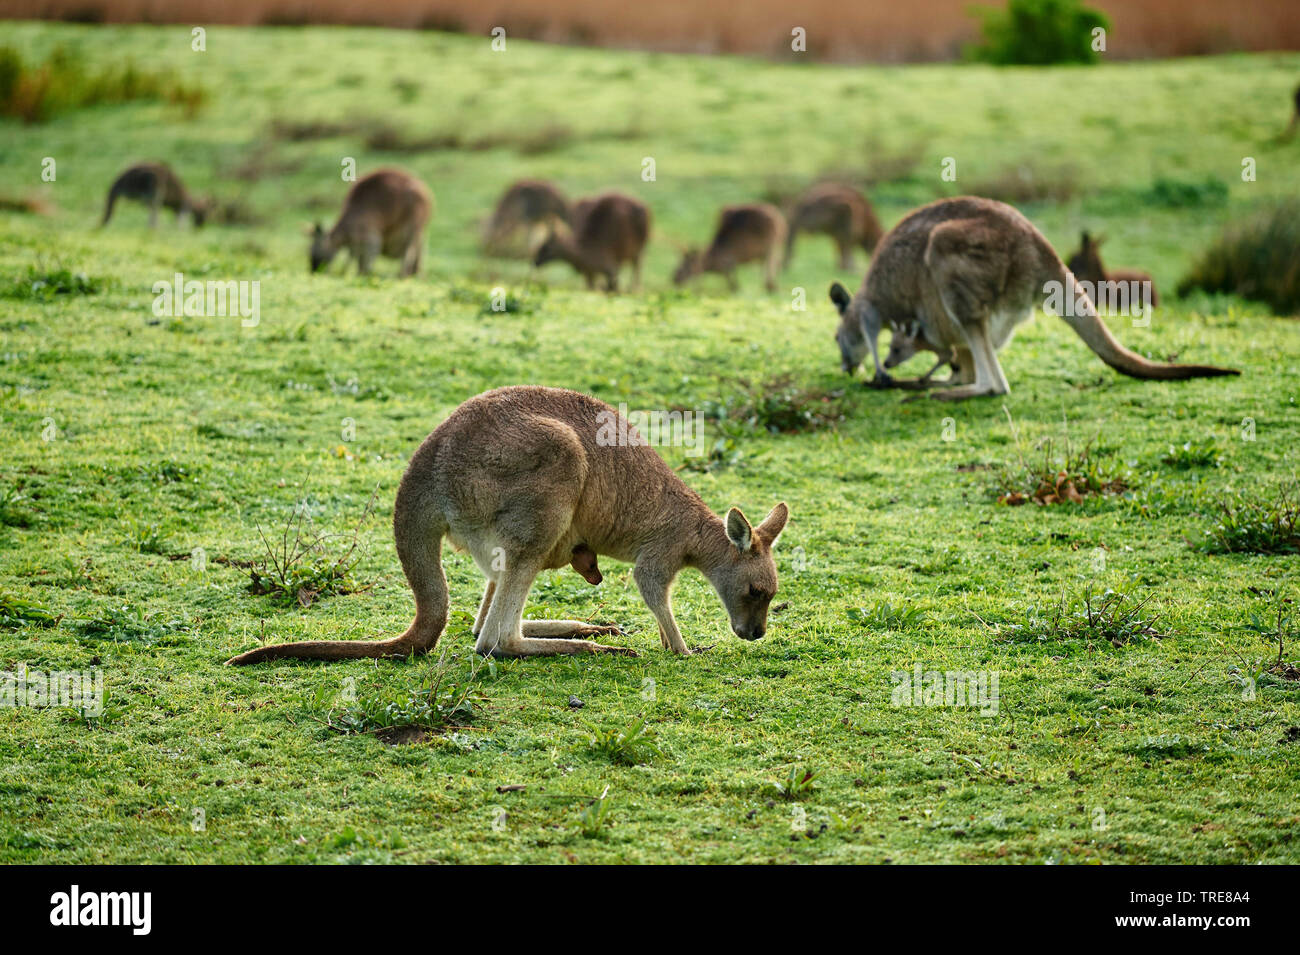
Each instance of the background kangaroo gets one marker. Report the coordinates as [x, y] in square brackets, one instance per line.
[529, 478]
[970, 271]
[754, 232]
[1087, 267]
[1291, 127]
[611, 230]
[528, 203]
[154, 184]
[384, 214]
[839, 211]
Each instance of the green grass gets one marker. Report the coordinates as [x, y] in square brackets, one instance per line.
[143, 454]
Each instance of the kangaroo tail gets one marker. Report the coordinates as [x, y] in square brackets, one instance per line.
[1078, 312]
[108, 208]
[419, 531]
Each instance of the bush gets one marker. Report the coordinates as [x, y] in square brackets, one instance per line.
[1258, 259]
[36, 94]
[1037, 33]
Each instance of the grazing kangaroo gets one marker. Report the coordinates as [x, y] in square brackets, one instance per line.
[839, 211]
[754, 232]
[970, 271]
[518, 477]
[611, 230]
[1087, 268]
[528, 203]
[384, 214]
[154, 184]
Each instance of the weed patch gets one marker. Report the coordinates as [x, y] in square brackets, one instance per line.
[1256, 525]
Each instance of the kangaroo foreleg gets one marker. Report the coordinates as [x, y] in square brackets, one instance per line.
[656, 592]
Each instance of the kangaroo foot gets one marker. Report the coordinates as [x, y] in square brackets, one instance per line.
[961, 393]
[532, 647]
[559, 629]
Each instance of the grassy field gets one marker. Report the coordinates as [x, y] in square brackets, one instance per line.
[130, 441]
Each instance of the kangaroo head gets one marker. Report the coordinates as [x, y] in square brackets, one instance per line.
[853, 344]
[689, 266]
[201, 210]
[549, 249]
[905, 342]
[746, 578]
[321, 250]
[1086, 263]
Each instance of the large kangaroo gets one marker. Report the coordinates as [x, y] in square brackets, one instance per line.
[839, 211]
[1087, 267]
[969, 271]
[155, 184]
[384, 214]
[754, 232]
[527, 203]
[528, 478]
[611, 230]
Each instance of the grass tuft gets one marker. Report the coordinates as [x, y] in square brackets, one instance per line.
[434, 702]
[780, 405]
[1113, 618]
[626, 747]
[1256, 525]
[1058, 471]
[302, 564]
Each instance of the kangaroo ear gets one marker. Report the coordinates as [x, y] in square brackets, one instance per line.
[770, 530]
[840, 296]
[738, 530]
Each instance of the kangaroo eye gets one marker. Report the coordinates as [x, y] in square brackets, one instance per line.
[755, 592]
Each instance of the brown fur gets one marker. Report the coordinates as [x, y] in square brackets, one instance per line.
[970, 270]
[528, 203]
[155, 184]
[839, 211]
[385, 213]
[1087, 267]
[522, 476]
[611, 231]
[753, 232]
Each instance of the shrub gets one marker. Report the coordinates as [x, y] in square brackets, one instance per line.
[36, 94]
[1037, 33]
[1176, 194]
[1258, 259]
